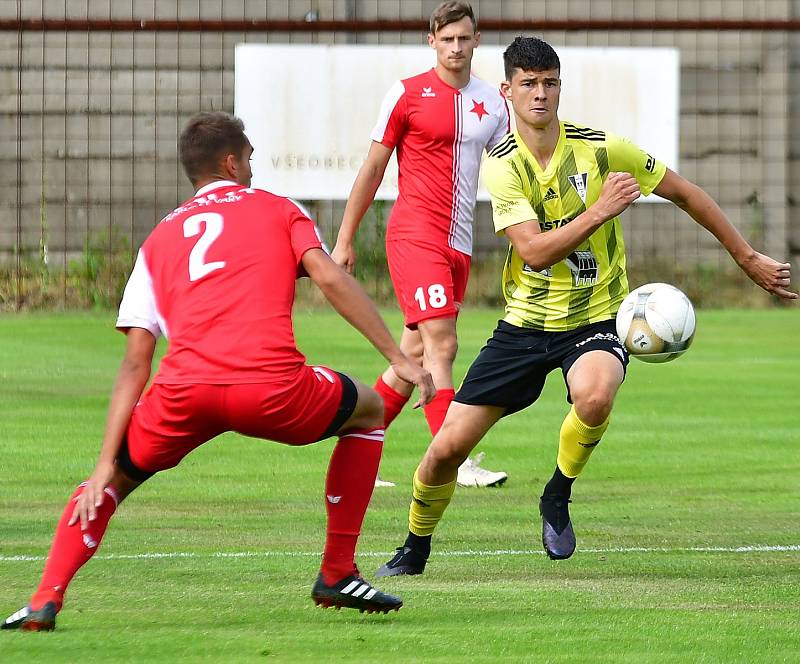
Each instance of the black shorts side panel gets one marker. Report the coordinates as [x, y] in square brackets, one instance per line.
[346, 407]
[126, 465]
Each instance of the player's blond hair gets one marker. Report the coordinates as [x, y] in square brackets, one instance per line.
[449, 12]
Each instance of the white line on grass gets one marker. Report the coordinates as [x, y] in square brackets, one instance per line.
[755, 548]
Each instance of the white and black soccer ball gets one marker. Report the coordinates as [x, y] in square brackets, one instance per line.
[656, 322]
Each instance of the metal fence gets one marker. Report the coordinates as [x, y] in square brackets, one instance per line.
[93, 95]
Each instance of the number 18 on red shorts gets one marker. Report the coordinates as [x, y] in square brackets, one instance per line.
[429, 280]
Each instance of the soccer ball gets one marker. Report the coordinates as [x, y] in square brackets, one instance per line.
[656, 322]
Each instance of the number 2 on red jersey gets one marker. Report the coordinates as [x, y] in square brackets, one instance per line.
[198, 268]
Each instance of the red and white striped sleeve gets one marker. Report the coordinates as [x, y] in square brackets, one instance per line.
[392, 118]
[138, 307]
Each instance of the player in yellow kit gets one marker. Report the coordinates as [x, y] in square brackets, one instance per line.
[557, 190]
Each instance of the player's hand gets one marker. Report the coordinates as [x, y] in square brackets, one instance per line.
[411, 372]
[772, 276]
[92, 497]
[619, 191]
[344, 256]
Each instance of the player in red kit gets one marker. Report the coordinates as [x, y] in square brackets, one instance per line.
[217, 277]
[440, 122]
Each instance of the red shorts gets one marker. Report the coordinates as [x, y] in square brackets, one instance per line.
[429, 280]
[172, 420]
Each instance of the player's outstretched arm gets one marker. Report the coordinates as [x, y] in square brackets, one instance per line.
[354, 305]
[132, 377]
[369, 178]
[772, 276]
[541, 250]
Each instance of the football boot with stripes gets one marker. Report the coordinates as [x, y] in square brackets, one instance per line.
[353, 592]
[41, 620]
[558, 537]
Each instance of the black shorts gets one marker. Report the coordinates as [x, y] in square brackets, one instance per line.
[511, 368]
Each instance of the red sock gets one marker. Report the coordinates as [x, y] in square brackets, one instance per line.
[71, 549]
[437, 409]
[393, 401]
[348, 489]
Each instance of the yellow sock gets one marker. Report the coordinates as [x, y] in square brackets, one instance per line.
[577, 442]
[428, 503]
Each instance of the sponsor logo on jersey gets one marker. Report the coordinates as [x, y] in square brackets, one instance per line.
[504, 207]
[550, 195]
[549, 224]
[428, 92]
[205, 201]
[579, 181]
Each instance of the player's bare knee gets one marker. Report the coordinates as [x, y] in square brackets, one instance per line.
[593, 406]
[444, 452]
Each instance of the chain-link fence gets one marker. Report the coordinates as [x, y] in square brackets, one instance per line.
[93, 95]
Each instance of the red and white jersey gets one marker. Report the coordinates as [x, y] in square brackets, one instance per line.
[440, 134]
[217, 277]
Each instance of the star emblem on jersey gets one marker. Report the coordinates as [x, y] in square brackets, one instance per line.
[478, 109]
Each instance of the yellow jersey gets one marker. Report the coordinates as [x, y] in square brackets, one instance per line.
[588, 285]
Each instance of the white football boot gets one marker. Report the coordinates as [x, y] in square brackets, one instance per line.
[470, 473]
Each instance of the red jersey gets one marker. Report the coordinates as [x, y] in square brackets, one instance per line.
[440, 134]
[217, 277]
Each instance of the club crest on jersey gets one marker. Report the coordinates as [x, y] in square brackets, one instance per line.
[579, 181]
[428, 92]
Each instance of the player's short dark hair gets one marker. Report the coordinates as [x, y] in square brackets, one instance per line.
[449, 12]
[207, 138]
[529, 54]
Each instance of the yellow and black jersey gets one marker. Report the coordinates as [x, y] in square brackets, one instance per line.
[589, 284]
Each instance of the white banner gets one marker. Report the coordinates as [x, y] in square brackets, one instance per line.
[308, 110]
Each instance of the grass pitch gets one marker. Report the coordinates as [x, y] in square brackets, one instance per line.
[687, 517]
